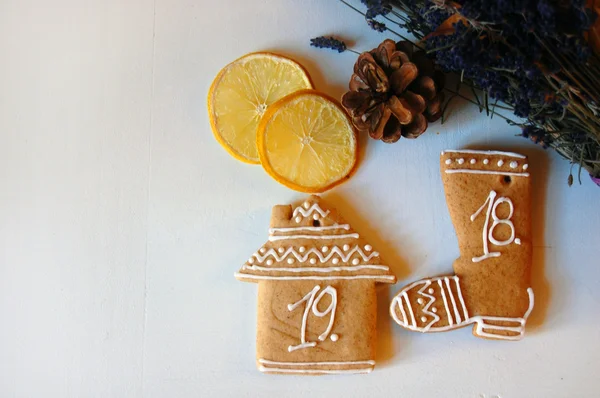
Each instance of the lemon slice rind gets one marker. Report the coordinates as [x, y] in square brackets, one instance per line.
[304, 82]
[317, 151]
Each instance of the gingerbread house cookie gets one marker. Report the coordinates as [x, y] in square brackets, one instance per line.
[317, 303]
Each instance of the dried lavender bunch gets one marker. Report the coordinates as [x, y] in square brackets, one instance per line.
[531, 55]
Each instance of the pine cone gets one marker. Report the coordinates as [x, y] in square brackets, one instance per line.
[394, 92]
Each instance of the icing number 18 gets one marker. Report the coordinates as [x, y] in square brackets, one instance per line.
[488, 234]
[312, 300]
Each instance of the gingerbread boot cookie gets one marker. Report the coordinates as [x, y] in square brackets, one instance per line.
[488, 196]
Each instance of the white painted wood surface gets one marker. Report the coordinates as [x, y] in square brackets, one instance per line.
[122, 220]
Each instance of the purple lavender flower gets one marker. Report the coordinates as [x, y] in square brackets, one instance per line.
[377, 7]
[375, 25]
[537, 135]
[329, 42]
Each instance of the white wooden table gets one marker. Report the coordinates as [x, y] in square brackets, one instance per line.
[122, 220]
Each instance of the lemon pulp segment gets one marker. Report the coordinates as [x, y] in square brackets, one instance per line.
[308, 142]
[241, 94]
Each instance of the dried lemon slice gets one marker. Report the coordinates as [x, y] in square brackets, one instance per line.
[243, 91]
[306, 142]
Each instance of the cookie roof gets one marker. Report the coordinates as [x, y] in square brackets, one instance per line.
[313, 242]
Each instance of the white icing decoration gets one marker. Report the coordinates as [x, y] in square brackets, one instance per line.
[315, 216]
[400, 304]
[313, 277]
[334, 337]
[290, 260]
[433, 309]
[313, 260]
[420, 300]
[471, 171]
[486, 161]
[460, 297]
[483, 326]
[268, 362]
[312, 304]
[251, 260]
[500, 163]
[450, 320]
[368, 248]
[269, 262]
[282, 237]
[309, 297]
[486, 252]
[316, 269]
[281, 250]
[423, 319]
[330, 309]
[315, 371]
[456, 314]
[488, 235]
[520, 329]
[513, 164]
[506, 221]
[311, 229]
[306, 205]
[473, 161]
[412, 314]
[518, 241]
[298, 219]
[429, 304]
[323, 258]
[324, 249]
[309, 211]
[262, 250]
[475, 151]
[335, 260]
[525, 166]
[355, 261]
[448, 161]
[460, 161]
[346, 247]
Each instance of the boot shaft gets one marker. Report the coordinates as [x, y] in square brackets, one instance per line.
[488, 195]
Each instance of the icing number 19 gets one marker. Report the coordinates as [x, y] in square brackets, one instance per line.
[488, 234]
[312, 300]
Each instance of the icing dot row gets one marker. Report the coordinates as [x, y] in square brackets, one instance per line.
[513, 164]
[324, 249]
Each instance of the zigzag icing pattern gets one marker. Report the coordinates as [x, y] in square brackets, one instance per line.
[307, 212]
[426, 308]
[302, 258]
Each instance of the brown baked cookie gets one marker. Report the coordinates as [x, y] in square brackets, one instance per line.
[317, 304]
[489, 198]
